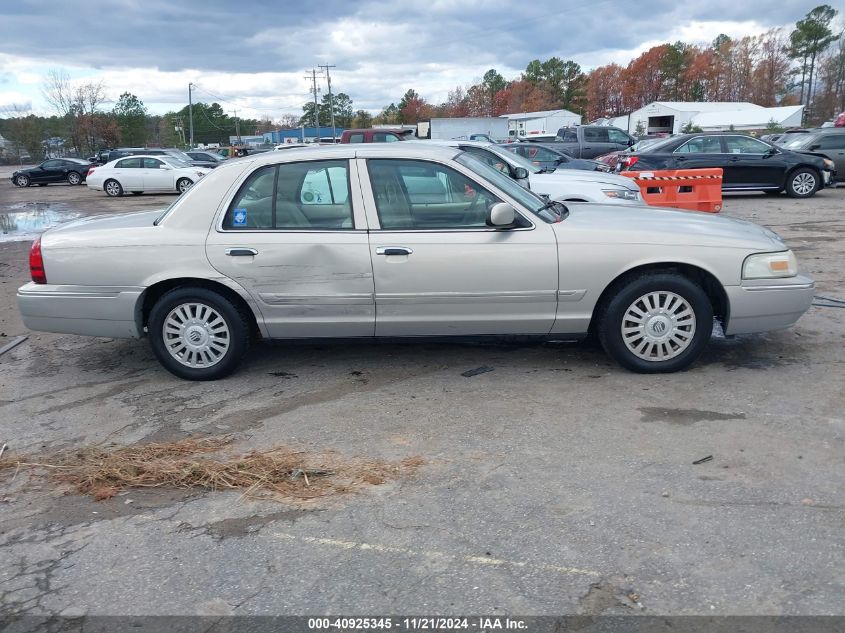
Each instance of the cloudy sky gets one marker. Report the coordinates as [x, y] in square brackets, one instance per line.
[253, 55]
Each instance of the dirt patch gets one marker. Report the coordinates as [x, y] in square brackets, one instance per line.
[685, 416]
[102, 472]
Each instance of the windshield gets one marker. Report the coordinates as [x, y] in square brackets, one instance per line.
[798, 141]
[523, 196]
[654, 145]
[513, 157]
[175, 162]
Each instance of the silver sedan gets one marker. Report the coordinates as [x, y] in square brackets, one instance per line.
[403, 240]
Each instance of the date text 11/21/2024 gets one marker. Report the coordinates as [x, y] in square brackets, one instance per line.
[418, 623]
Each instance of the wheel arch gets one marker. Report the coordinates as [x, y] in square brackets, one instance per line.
[708, 282]
[155, 291]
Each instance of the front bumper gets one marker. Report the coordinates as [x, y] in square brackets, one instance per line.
[86, 310]
[755, 307]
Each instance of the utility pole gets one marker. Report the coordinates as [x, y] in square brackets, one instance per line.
[237, 126]
[315, 90]
[331, 102]
[191, 114]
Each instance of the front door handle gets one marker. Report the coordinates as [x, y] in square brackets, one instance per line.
[393, 250]
[241, 252]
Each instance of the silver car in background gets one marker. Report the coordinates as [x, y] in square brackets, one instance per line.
[404, 240]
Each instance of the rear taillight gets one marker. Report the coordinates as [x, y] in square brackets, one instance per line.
[90, 171]
[36, 263]
[629, 161]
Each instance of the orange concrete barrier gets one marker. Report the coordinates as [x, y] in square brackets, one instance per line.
[693, 189]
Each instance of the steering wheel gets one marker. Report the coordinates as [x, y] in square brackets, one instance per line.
[470, 215]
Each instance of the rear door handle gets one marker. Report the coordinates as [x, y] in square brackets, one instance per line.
[393, 250]
[241, 252]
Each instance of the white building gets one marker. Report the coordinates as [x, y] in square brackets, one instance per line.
[673, 116]
[544, 122]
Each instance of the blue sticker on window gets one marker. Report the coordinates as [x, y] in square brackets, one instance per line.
[239, 217]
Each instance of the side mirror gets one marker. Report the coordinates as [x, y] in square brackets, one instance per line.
[631, 141]
[501, 214]
[520, 173]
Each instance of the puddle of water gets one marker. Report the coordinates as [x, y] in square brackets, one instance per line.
[32, 219]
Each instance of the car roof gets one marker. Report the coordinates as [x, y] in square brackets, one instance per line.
[411, 149]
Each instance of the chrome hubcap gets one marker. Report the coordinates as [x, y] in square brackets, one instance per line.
[73, 178]
[22, 181]
[804, 183]
[196, 335]
[184, 185]
[112, 188]
[658, 326]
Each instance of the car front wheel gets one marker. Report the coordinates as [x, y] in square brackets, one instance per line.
[113, 188]
[73, 178]
[802, 183]
[22, 181]
[656, 323]
[198, 334]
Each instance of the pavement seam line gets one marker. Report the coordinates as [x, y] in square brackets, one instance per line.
[434, 554]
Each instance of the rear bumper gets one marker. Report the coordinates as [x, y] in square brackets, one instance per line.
[774, 306]
[87, 310]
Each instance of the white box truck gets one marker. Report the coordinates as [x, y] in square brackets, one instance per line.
[465, 128]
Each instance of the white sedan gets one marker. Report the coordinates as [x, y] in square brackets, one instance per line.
[138, 174]
[567, 185]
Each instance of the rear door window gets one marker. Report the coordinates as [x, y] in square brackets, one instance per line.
[129, 163]
[745, 145]
[596, 135]
[701, 145]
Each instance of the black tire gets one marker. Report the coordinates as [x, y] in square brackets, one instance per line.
[797, 183]
[73, 178]
[614, 314]
[22, 180]
[113, 188]
[183, 184]
[236, 321]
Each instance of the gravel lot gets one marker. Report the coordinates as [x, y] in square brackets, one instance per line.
[555, 484]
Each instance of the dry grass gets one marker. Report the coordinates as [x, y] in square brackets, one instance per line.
[102, 472]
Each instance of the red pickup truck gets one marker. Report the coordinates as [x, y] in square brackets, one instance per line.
[375, 135]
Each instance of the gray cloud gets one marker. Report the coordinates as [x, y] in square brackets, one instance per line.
[379, 46]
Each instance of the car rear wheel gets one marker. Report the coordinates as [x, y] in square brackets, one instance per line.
[22, 181]
[184, 184]
[198, 334]
[656, 323]
[802, 183]
[73, 178]
[113, 188]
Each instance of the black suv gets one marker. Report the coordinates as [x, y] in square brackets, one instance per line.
[748, 163]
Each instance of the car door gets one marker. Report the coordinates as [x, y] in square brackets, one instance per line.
[127, 172]
[294, 236]
[618, 139]
[49, 171]
[832, 146]
[700, 152]
[157, 175]
[596, 142]
[439, 269]
[750, 164]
